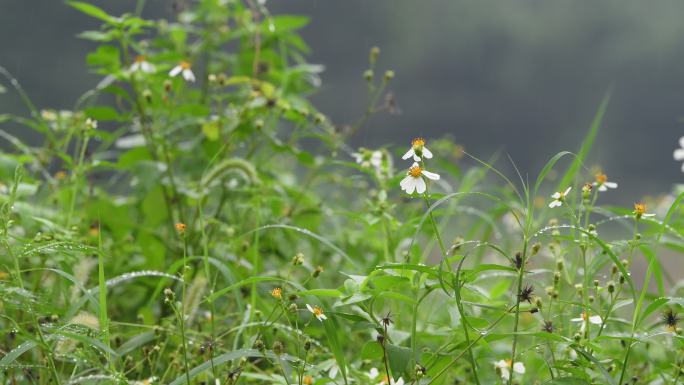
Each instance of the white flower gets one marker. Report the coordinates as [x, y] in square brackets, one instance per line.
[503, 367]
[640, 211]
[141, 64]
[603, 184]
[368, 158]
[679, 153]
[373, 373]
[595, 319]
[417, 150]
[317, 312]
[185, 68]
[91, 124]
[559, 198]
[332, 373]
[414, 179]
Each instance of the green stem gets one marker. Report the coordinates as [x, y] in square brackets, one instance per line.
[521, 273]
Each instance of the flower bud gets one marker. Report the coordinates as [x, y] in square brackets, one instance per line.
[278, 348]
[374, 53]
[535, 248]
[611, 286]
[298, 259]
[368, 75]
[317, 271]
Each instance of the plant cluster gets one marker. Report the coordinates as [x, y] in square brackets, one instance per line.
[196, 220]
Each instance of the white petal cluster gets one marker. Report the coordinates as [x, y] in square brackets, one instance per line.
[317, 312]
[184, 68]
[559, 198]
[414, 180]
[504, 367]
[679, 153]
[594, 319]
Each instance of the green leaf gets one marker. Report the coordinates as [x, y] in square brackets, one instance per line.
[321, 293]
[576, 165]
[211, 130]
[331, 329]
[371, 351]
[398, 357]
[103, 113]
[16, 352]
[91, 10]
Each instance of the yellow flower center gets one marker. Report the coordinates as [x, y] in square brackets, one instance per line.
[418, 143]
[415, 171]
[185, 65]
[509, 363]
[639, 208]
[180, 227]
[140, 58]
[601, 178]
[584, 315]
[317, 311]
[307, 380]
[277, 293]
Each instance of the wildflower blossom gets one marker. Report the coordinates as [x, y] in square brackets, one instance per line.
[640, 211]
[91, 124]
[414, 179]
[277, 293]
[679, 153]
[603, 184]
[559, 198]
[367, 158]
[180, 228]
[594, 319]
[373, 373]
[142, 65]
[317, 312]
[417, 150]
[307, 380]
[184, 68]
[503, 367]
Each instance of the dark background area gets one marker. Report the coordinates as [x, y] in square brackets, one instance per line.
[524, 77]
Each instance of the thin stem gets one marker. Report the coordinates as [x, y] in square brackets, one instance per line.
[521, 273]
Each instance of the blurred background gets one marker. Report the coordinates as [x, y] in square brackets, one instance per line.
[521, 77]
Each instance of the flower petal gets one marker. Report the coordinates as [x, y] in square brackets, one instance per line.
[416, 158]
[309, 307]
[681, 141]
[430, 175]
[188, 75]
[611, 184]
[596, 319]
[603, 187]
[420, 185]
[555, 203]
[567, 190]
[427, 153]
[678, 154]
[519, 368]
[408, 154]
[405, 182]
[556, 195]
[411, 184]
[175, 71]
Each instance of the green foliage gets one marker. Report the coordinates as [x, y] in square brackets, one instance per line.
[196, 220]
